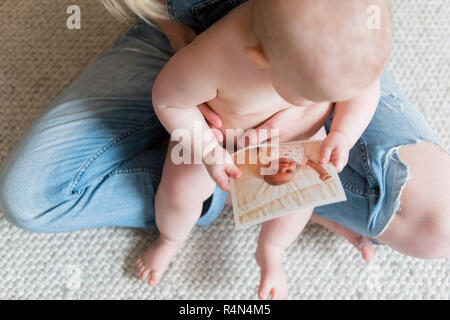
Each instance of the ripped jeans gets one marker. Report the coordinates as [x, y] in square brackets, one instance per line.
[94, 156]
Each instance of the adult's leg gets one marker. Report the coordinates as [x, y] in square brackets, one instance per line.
[397, 183]
[92, 158]
[362, 243]
[424, 199]
[421, 227]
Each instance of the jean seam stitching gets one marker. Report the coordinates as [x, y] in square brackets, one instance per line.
[84, 168]
[353, 189]
[134, 170]
[356, 190]
[365, 162]
[171, 10]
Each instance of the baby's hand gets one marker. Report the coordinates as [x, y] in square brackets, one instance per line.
[221, 167]
[335, 149]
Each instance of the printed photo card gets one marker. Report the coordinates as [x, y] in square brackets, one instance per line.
[281, 179]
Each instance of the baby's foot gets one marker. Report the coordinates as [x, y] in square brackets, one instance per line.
[273, 277]
[155, 260]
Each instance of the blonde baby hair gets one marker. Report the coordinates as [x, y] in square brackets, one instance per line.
[145, 9]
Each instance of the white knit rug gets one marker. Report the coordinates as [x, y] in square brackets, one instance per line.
[40, 57]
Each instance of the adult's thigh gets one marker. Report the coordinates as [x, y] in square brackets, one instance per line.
[421, 227]
[104, 121]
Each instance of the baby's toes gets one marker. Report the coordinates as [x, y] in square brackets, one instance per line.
[139, 263]
[155, 276]
[142, 270]
[275, 288]
[278, 293]
[263, 292]
[265, 288]
[144, 274]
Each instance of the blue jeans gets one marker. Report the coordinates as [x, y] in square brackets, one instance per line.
[94, 156]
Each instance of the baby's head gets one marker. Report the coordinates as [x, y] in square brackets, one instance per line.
[285, 172]
[320, 50]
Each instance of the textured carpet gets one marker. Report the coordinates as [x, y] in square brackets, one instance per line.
[39, 57]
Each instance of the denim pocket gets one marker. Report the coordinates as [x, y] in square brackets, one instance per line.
[209, 11]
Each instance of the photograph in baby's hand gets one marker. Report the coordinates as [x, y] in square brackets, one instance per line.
[281, 179]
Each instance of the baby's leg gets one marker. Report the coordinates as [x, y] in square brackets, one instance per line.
[274, 238]
[178, 205]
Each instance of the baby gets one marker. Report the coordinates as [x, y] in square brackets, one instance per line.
[263, 57]
[282, 164]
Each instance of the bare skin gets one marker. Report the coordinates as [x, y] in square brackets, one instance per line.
[270, 250]
[287, 169]
[246, 99]
[421, 228]
[244, 95]
[429, 207]
[321, 171]
[361, 243]
[177, 208]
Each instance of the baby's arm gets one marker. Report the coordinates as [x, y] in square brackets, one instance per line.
[187, 80]
[350, 120]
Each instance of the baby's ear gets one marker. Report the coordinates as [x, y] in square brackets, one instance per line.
[257, 57]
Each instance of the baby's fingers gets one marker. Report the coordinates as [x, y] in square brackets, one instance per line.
[233, 172]
[325, 153]
[217, 133]
[210, 116]
[339, 159]
[223, 181]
